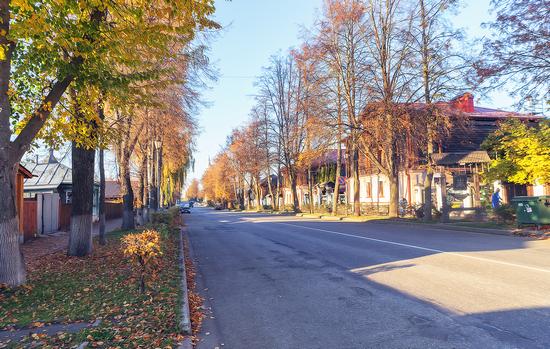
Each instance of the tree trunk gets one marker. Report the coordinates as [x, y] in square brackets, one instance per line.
[428, 194]
[278, 190]
[270, 189]
[336, 194]
[12, 266]
[295, 202]
[310, 189]
[80, 238]
[242, 204]
[153, 204]
[428, 101]
[160, 193]
[444, 205]
[143, 190]
[356, 199]
[258, 189]
[101, 210]
[145, 197]
[127, 194]
[477, 195]
[393, 210]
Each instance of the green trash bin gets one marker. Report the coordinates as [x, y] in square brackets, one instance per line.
[532, 210]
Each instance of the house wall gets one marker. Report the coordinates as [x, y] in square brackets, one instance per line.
[375, 188]
[374, 191]
[540, 189]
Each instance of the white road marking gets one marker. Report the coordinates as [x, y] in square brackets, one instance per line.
[424, 248]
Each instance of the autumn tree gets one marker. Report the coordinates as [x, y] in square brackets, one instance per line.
[516, 56]
[192, 192]
[49, 45]
[315, 104]
[217, 180]
[521, 152]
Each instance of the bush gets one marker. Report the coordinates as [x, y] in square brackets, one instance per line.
[168, 217]
[505, 213]
[160, 218]
[143, 248]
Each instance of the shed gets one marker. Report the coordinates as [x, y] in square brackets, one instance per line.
[51, 187]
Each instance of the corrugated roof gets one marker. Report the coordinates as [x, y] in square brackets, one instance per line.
[48, 175]
[473, 157]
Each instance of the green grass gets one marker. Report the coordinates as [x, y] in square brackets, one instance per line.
[489, 225]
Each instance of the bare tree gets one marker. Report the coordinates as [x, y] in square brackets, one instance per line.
[340, 42]
[385, 120]
[517, 56]
[441, 68]
[281, 87]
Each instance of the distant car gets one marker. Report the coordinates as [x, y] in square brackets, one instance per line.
[185, 208]
[218, 207]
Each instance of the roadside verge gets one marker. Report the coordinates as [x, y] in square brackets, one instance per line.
[402, 221]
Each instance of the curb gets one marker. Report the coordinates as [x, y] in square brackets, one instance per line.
[185, 321]
[443, 226]
[311, 215]
[331, 218]
[357, 219]
[186, 344]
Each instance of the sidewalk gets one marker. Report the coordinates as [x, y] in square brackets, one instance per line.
[50, 243]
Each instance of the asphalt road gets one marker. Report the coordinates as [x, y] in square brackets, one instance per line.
[286, 282]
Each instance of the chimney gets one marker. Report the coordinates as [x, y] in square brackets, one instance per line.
[52, 159]
[464, 103]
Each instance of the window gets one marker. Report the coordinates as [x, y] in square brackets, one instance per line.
[369, 189]
[69, 197]
[460, 182]
[380, 189]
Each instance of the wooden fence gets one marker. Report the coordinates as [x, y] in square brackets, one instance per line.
[113, 210]
[64, 216]
[29, 219]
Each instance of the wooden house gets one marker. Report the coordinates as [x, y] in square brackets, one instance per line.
[50, 191]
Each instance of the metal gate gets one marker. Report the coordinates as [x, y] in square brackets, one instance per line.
[47, 213]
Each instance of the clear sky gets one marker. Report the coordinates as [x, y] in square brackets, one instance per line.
[256, 29]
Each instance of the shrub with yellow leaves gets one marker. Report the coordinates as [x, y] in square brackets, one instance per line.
[143, 248]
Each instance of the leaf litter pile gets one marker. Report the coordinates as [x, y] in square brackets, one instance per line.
[195, 300]
[104, 287]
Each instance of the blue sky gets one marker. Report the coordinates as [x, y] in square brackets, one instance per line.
[256, 29]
